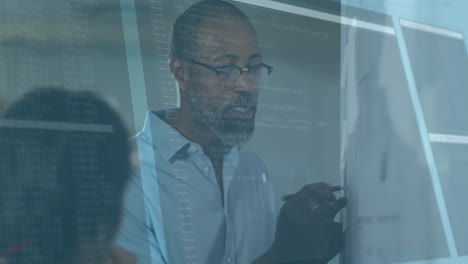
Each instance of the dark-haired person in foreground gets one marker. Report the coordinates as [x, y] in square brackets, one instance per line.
[199, 197]
[64, 162]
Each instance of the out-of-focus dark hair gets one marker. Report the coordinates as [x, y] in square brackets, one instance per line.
[64, 163]
[185, 31]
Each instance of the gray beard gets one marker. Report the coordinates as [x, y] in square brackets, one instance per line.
[232, 132]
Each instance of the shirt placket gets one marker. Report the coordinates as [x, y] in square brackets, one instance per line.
[184, 214]
[229, 166]
[229, 169]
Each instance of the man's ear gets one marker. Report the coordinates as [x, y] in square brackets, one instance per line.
[178, 70]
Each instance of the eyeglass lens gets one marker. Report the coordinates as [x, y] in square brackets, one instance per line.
[258, 76]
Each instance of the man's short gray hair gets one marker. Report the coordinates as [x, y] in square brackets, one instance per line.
[185, 31]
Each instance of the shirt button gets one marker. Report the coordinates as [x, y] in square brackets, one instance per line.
[229, 260]
[207, 169]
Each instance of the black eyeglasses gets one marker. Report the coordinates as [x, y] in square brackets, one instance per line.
[230, 74]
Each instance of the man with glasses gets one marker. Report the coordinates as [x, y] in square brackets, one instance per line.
[199, 197]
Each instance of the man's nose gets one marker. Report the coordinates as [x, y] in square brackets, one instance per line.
[244, 84]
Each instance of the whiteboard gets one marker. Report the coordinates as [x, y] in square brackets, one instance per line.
[400, 174]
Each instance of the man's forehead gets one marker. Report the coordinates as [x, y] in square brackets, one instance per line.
[235, 57]
[233, 30]
[234, 39]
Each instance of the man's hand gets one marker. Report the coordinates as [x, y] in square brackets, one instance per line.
[306, 232]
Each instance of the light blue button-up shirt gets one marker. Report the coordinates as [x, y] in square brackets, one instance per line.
[173, 207]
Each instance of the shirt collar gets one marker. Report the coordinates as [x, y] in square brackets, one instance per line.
[168, 141]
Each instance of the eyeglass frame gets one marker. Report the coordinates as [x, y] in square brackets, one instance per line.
[217, 70]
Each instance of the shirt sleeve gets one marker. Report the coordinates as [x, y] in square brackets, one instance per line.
[136, 233]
